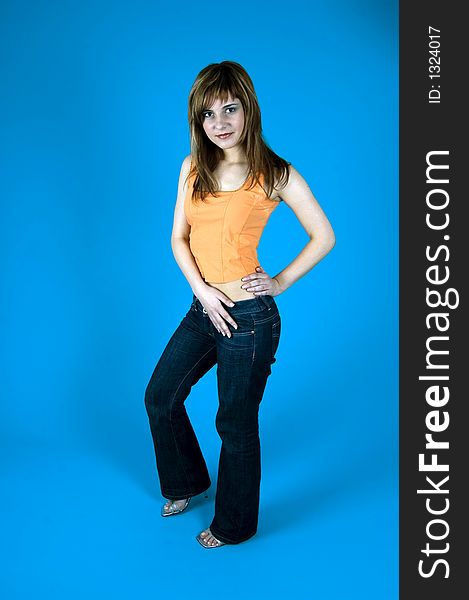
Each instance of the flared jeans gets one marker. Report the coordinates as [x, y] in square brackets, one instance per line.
[243, 367]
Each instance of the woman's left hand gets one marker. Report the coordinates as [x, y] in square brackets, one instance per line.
[261, 284]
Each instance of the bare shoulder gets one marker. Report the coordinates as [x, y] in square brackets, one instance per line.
[293, 175]
[298, 196]
[184, 172]
[186, 163]
[296, 187]
[280, 186]
[181, 227]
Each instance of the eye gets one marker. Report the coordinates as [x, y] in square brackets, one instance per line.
[231, 108]
[205, 113]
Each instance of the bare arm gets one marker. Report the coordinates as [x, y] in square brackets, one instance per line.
[211, 297]
[298, 196]
[180, 235]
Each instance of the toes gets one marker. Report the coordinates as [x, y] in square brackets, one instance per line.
[209, 538]
[172, 505]
[213, 540]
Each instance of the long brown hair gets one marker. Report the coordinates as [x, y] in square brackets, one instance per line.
[219, 81]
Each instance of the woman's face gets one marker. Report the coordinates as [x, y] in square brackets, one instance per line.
[224, 118]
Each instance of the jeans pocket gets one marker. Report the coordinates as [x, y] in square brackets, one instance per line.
[242, 336]
[239, 348]
[241, 339]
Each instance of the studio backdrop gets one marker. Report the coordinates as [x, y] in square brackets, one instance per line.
[93, 118]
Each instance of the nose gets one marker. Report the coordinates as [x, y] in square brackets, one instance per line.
[220, 122]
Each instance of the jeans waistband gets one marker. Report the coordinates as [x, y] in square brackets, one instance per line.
[253, 305]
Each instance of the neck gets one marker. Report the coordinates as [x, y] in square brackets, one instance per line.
[234, 155]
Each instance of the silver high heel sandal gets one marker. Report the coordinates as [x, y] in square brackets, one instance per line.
[174, 509]
[202, 542]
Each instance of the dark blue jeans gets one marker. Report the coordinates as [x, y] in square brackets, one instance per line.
[244, 364]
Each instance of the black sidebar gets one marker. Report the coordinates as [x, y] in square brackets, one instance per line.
[434, 267]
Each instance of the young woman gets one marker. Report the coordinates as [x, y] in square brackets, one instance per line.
[228, 187]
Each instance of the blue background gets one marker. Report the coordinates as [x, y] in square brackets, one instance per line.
[93, 113]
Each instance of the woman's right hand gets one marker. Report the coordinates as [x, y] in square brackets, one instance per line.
[211, 299]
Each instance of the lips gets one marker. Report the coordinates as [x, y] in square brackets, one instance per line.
[224, 136]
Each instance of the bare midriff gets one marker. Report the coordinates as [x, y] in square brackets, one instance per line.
[233, 290]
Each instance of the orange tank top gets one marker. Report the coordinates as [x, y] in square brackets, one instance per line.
[226, 230]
